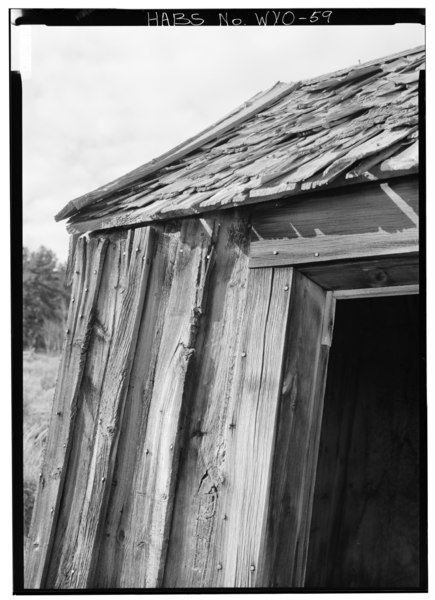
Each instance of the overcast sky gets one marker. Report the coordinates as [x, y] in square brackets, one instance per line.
[101, 101]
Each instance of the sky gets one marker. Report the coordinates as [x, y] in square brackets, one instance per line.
[99, 101]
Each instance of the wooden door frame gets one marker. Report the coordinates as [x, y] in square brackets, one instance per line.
[296, 572]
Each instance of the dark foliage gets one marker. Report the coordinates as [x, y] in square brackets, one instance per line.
[45, 300]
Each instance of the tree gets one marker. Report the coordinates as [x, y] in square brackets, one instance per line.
[45, 300]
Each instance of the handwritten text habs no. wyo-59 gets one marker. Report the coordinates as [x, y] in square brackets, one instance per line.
[228, 18]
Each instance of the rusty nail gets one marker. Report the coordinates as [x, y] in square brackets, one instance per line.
[95, 271]
[40, 475]
[316, 254]
[103, 479]
[77, 272]
[67, 331]
[286, 288]
[137, 249]
[59, 413]
[82, 315]
[73, 299]
[231, 426]
[275, 252]
[243, 354]
[252, 567]
[224, 518]
[147, 451]
[219, 567]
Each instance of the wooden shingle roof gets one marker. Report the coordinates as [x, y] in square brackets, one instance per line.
[354, 125]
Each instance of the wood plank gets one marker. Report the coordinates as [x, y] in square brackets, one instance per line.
[331, 247]
[79, 558]
[143, 525]
[298, 432]
[367, 518]
[373, 273]
[362, 209]
[194, 546]
[117, 535]
[80, 459]
[250, 439]
[88, 267]
[398, 290]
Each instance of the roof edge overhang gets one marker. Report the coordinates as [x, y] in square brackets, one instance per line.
[137, 220]
[261, 101]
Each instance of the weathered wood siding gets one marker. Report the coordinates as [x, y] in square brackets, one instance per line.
[177, 400]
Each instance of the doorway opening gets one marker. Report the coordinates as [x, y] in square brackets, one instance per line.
[366, 522]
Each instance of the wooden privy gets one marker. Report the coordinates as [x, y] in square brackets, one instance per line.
[199, 436]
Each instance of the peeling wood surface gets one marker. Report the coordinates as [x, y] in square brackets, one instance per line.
[298, 432]
[193, 554]
[88, 267]
[351, 126]
[137, 527]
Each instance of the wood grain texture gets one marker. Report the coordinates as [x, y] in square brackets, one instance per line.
[366, 522]
[332, 247]
[85, 426]
[197, 522]
[139, 515]
[116, 535]
[298, 432]
[388, 271]
[92, 485]
[87, 274]
[352, 210]
[250, 439]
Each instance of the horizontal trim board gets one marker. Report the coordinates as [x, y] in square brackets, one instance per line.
[274, 253]
[397, 290]
[377, 272]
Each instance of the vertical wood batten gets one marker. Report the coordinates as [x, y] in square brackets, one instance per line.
[135, 268]
[285, 549]
[142, 519]
[89, 257]
[250, 446]
[117, 534]
[193, 553]
[73, 499]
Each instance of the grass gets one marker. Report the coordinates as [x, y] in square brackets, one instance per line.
[39, 380]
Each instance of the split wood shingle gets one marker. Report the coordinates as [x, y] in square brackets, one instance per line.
[357, 124]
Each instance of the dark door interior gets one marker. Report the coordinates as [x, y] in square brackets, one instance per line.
[365, 530]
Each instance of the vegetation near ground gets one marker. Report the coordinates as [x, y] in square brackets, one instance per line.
[39, 380]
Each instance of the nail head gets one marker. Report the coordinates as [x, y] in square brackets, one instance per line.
[286, 288]
[219, 567]
[316, 254]
[275, 252]
[243, 354]
[252, 567]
